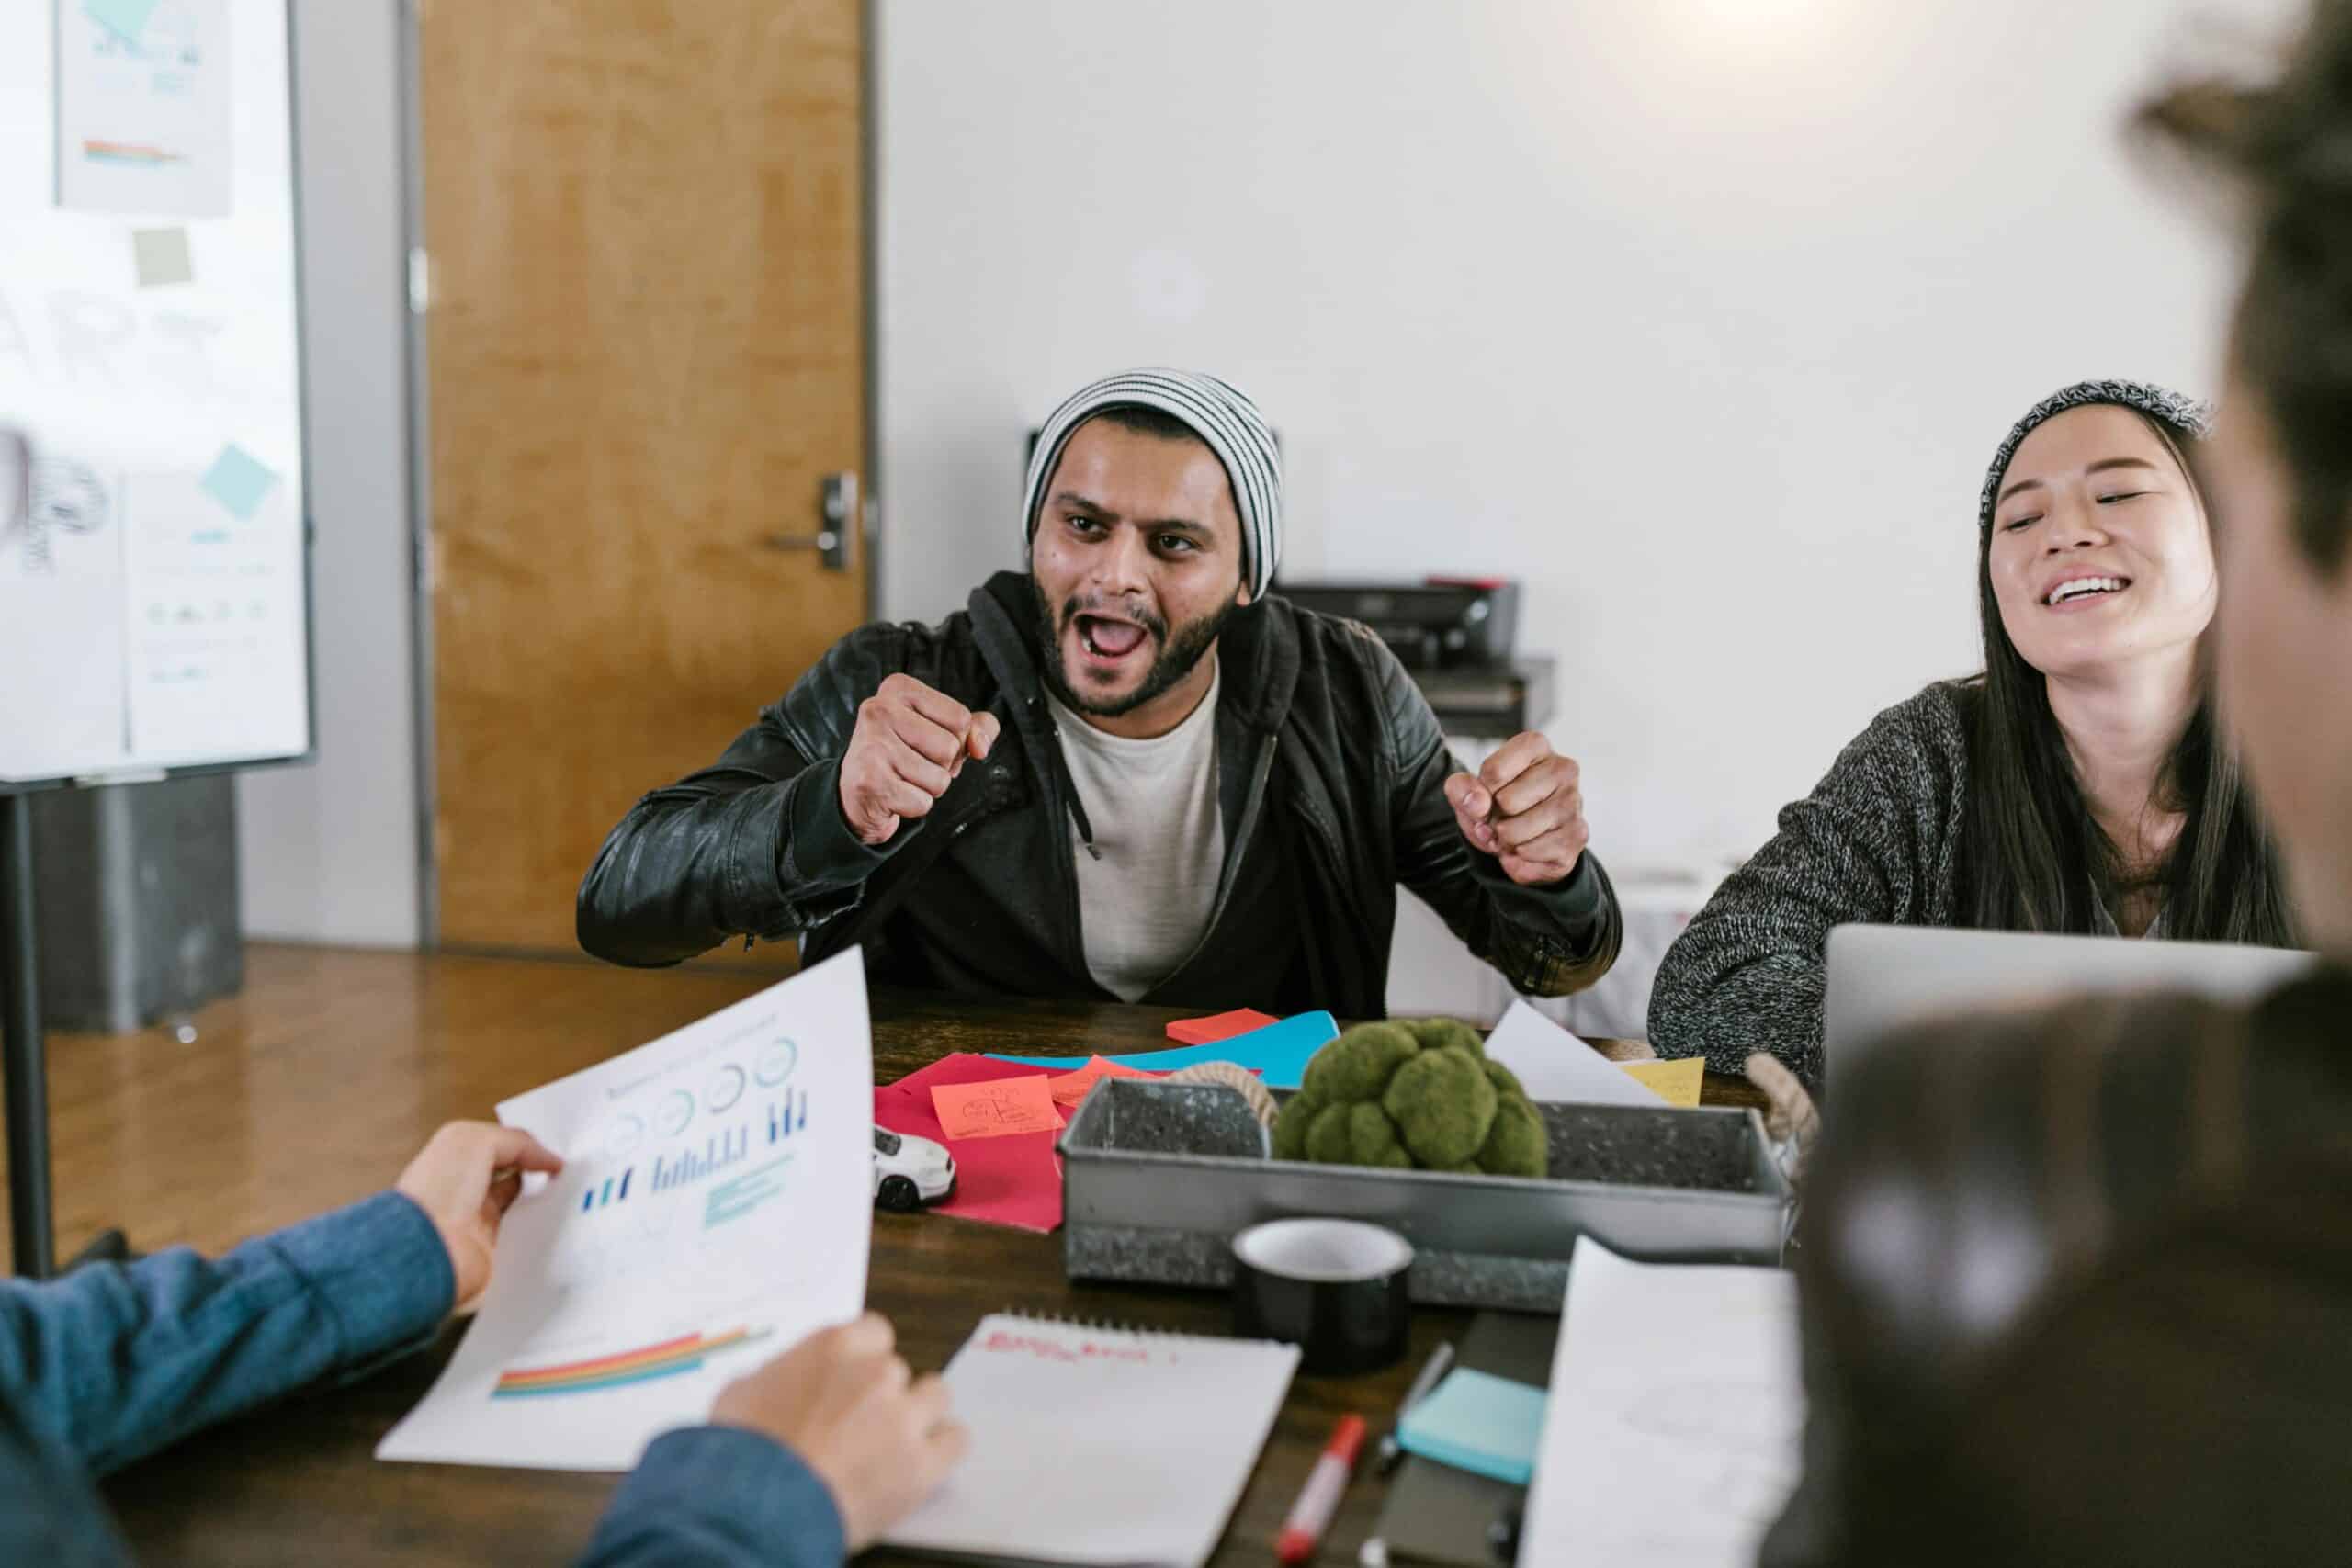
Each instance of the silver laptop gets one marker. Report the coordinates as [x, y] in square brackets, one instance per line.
[1883, 976]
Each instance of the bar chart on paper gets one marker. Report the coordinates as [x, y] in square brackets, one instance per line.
[711, 1211]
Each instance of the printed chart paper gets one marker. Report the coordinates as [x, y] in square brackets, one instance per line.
[715, 1208]
[143, 111]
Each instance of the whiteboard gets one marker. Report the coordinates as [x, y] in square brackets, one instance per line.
[154, 583]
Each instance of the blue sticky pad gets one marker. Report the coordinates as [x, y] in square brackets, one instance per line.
[1279, 1051]
[238, 481]
[127, 19]
[1480, 1423]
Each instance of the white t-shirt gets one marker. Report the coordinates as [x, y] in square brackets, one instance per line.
[1144, 906]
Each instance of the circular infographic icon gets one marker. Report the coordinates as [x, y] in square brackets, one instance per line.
[726, 1086]
[776, 1061]
[677, 1109]
[624, 1135]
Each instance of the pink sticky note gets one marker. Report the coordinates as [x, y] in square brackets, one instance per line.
[995, 1109]
[1218, 1026]
[1069, 1088]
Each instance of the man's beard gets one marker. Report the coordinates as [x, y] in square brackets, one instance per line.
[1178, 654]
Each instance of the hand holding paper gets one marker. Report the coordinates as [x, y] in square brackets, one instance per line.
[844, 1400]
[465, 1179]
[711, 1201]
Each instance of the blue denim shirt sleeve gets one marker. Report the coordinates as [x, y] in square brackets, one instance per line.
[719, 1497]
[49, 1511]
[114, 1361]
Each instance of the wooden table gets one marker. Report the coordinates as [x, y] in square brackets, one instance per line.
[315, 1086]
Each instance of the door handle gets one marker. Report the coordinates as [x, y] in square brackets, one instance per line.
[836, 522]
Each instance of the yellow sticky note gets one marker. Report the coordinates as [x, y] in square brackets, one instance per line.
[1675, 1082]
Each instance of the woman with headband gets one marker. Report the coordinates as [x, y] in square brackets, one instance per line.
[2079, 783]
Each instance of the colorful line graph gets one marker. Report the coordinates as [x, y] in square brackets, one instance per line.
[130, 152]
[668, 1358]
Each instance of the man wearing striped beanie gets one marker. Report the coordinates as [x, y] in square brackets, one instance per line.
[1129, 771]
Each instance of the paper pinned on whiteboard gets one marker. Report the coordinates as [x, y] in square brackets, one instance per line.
[238, 480]
[143, 107]
[161, 257]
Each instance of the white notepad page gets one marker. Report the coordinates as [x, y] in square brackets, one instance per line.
[1673, 1433]
[1100, 1446]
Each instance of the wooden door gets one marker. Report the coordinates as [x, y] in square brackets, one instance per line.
[646, 348]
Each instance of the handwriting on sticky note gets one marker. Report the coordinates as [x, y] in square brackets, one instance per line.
[1675, 1082]
[1071, 1087]
[996, 1109]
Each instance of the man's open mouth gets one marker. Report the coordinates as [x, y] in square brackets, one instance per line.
[1107, 639]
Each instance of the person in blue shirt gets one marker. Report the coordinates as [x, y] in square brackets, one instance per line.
[804, 1460]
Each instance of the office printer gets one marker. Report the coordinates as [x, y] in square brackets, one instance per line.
[1435, 624]
[1455, 636]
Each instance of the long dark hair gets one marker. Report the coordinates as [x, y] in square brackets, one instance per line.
[2035, 859]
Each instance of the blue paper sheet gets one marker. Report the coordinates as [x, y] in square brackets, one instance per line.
[238, 481]
[126, 19]
[1279, 1051]
[1480, 1423]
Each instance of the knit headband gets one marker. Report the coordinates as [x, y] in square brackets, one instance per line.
[1221, 416]
[2173, 410]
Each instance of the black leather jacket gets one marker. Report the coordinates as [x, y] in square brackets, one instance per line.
[1330, 768]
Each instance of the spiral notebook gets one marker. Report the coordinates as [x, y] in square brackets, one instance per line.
[1098, 1445]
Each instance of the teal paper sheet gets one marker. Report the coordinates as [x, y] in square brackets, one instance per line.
[1278, 1052]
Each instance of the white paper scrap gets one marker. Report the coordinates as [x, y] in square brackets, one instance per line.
[1554, 1064]
[1673, 1433]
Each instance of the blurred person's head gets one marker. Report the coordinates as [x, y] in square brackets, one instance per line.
[2281, 461]
[2096, 573]
[1154, 513]
[2077, 1289]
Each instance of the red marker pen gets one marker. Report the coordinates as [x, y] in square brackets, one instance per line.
[1320, 1498]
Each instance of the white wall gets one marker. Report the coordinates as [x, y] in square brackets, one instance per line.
[328, 852]
[1703, 316]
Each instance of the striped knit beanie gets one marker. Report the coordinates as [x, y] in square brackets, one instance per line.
[1220, 415]
[2176, 411]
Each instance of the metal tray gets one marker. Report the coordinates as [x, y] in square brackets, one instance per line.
[1159, 1177]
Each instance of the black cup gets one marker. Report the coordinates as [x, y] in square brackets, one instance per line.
[1337, 1289]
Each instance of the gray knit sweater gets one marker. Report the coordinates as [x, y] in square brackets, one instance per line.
[1877, 840]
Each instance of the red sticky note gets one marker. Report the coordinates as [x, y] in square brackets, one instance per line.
[1069, 1088]
[1014, 1180]
[994, 1108]
[1218, 1026]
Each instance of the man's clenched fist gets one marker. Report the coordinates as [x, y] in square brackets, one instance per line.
[909, 745]
[1524, 809]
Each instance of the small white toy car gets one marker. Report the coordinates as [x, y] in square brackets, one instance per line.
[910, 1172]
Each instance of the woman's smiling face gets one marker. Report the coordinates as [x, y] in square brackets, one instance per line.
[2099, 551]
